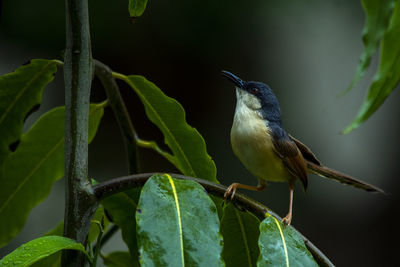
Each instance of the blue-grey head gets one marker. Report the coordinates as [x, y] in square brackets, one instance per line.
[256, 96]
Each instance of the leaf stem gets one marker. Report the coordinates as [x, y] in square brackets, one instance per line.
[117, 185]
[99, 237]
[104, 73]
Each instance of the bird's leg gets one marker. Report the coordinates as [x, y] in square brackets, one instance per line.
[231, 190]
[288, 217]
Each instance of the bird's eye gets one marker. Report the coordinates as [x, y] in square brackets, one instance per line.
[254, 90]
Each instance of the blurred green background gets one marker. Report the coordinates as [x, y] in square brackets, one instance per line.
[307, 51]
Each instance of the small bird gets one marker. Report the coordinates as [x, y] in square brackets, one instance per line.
[267, 150]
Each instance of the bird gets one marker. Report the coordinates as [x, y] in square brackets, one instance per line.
[267, 150]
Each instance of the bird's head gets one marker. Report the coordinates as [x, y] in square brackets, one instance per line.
[256, 96]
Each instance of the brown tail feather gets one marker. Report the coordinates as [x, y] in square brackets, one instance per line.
[341, 177]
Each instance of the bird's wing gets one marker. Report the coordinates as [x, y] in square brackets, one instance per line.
[292, 158]
[307, 153]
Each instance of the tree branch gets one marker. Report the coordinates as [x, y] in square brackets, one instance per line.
[104, 73]
[80, 203]
[121, 184]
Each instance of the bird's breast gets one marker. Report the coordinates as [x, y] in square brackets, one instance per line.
[252, 143]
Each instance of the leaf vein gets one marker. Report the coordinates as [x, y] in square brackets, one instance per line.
[178, 211]
[34, 170]
[242, 230]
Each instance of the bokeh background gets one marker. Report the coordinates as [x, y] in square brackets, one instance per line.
[307, 51]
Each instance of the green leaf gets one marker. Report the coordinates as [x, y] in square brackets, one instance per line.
[281, 245]
[119, 259]
[39, 248]
[388, 75]
[121, 208]
[136, 7]
[187, 146]
[177, 224]
[20, 92]
[240, 231]
[377, 13]
[31, 170]
[53, 260]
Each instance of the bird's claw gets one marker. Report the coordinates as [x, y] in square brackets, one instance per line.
[231, 190]
[287, 220]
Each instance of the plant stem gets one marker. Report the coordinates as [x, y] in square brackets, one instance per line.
[104, 73]
[80, 203]
[241, 201]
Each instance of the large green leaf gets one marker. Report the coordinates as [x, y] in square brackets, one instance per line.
[54, 260]
[136, 7]
[31, 170]
[177, 224]
[121, 208]
[119, 259]
[377, 17]
[39, 248]
[280, 245]
[240, 231]
[388, 75]
[20, 92]
[187, 146]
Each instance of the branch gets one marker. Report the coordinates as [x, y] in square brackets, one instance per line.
[121, 184]
[80, 203]
[104, 73]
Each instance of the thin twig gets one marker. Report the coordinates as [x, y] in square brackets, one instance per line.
[117, 185]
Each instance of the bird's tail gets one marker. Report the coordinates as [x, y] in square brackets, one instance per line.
[341, 177]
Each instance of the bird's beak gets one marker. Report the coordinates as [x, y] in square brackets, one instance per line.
[233, 78]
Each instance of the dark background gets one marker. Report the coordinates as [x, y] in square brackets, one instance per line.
[307, 52]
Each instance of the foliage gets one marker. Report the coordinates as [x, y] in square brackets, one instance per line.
[40, 151]
[186, 216]
[240, 231]
[188, 148]
[382, 25]
[136, 7]
[21, 91]
[281, 245]
[169, 221]
[39, 248]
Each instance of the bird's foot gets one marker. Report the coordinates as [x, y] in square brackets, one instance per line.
[287, 220]
[231, 190]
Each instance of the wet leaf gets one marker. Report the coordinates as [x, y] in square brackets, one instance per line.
[240, 231]
[177, 224]
[280, 245]
[54, 260]
[39, 248]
